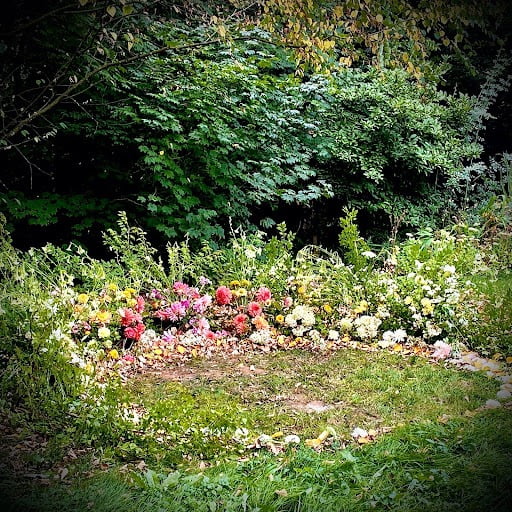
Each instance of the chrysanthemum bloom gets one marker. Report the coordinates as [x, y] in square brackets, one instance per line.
[263, 294]
[223, 295]
[254, 309]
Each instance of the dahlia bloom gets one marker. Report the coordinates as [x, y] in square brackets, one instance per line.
[263, 294]
[223, 295]
[254, 309]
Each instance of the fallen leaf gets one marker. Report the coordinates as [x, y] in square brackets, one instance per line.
[282, 492]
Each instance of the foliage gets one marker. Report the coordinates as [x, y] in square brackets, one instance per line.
[386, 34]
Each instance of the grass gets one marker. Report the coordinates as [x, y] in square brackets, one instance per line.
[439, 455]
[494, 332]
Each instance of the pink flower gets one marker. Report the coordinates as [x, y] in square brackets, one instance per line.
[223, 295]
[139, 307]
[128, 316]
[180, 288]
[254, 309]
[129, 358]
[135, 332]
[240, 323]
[263, 294]
[201, 326]
[168, 337]
[202, 304]
[443, 350]
[287, 302]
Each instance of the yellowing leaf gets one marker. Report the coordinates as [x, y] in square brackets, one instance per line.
[313, 443]
[277, 434]
[221, 29]
[111, 10]
[127, 9]
[363, 440]
[83, 2]
[181, 349]
[324, 435]
[379, 18]
[158, 351]
[282, 492]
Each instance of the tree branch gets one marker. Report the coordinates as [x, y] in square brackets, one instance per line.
[57, 99]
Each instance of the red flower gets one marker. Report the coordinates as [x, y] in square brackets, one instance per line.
[128, 317]
[263, 294]
[240, 323]
[223, 295]
[254, 309]
[134, 333]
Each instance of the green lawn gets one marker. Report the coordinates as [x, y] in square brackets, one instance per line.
[434, 449]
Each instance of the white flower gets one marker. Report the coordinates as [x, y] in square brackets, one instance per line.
[367, 326]
[292, 438]
[103, 332]
[448, 269]
[345, 324]
[369, 254]
[359, 432]
[333, 335]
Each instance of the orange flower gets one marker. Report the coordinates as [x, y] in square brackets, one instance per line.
[260, 322]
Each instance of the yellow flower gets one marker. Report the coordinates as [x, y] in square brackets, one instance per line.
[428, 307]
[112, 287]
[241, 292]
[103, 316]
[245, 283]
[408, 300]
[327, 308]
[129, 292]
[83, 298]
[103, 332]
[131, 302]
[362, 307]
[234, 283]
[301, 290]
[279, 319]
[114, 354]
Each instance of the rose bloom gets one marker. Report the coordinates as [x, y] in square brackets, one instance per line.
[263, 294]
[223, 295]
[254, 309]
